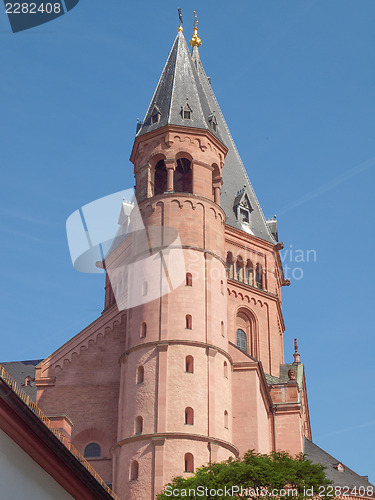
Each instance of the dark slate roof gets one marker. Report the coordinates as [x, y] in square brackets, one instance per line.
[184, 80]
[338, 478]
[234, 174]
[179, 84]
[19, 370]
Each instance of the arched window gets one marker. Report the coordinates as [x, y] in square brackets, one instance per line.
[189, 416]
[143, 330]
[183, 176]
[189, 279]
[144, 288]
[241, 340]
[249, 273]
[222, 328]
[246, 332]
[229, 265]
[189, 462]
[138, 428]
[160, 183]
[140, 374]
[189, 322]
[225, 369]
[226, 419]
[134, 469]
[258, 276]
[189, 364]
[92, 450]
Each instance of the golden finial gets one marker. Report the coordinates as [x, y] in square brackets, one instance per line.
[180, 28]
[195, 40]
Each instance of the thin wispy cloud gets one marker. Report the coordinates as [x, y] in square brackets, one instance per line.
[347, 429]
[330, 185]
[22, 216]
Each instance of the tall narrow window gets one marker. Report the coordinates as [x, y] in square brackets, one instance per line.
[144, 288]
[241, 340]
[143, 332]
[92, 450]
[226, 419]
[134, 468]
[222, 287]
[189, 416]
[189, 364]
[258, 276]
[140, 374]
[189, 322]
[189, 462]
[189, 279]
[225, 369]
[183, 176]
[160, 185]
[222, 328]
[138, 425]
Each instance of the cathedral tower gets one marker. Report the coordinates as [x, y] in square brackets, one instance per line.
[197, 374]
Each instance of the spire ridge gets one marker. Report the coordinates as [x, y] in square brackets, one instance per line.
[195, 40]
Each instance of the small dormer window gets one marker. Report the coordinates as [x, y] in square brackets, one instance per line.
[187, 112]
[340, 467]
[212, 122]
[155, 115]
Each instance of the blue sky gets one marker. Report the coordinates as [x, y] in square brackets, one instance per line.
[295, 80]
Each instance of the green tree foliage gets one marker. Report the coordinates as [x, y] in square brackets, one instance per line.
[277, 475]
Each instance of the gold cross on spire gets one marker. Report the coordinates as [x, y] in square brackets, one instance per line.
[195, 40]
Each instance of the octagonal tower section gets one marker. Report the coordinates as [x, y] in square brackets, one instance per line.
[175, 396]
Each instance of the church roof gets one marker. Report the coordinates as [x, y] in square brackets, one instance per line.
[179, 87]
[339, 474]
[184, 82]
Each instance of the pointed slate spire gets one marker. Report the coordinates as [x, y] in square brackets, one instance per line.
[179, 89]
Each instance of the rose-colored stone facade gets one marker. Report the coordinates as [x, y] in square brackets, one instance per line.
[163, 387]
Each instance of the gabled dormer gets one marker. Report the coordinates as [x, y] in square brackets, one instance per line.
[155, 115]
[186, 112]
[242, 208]
[212, 121]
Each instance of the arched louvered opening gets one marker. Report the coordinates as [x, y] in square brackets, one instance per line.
[189, 364]
[183, 176]
[134, 470]
[241, 340]
[138, 427]
[140, 374]
[92, 450]
[246, 331]
[160, 182]
[189, 462]
[189, 416]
